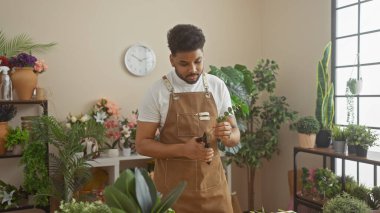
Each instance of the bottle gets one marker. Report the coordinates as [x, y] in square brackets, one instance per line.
[6, 84]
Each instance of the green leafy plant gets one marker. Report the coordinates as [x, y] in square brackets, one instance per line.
[307, 184]
[16, 136]
[324, 111]
[327, 183]
[259, 121]
[307, 125]
[68, 172]
[136, 193]
[7, 112]
[10, 196]
[20, 43]
[374, 198]
[339, 133]
[361, 135]
[360, 192]
[83, 207]
[345, 204]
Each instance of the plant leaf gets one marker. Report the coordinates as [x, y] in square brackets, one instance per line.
[171, 198]
[142, 192]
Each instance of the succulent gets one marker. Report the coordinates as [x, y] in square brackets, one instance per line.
[7, 112]
[136, 193]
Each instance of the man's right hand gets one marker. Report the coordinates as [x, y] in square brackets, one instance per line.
[197, 151]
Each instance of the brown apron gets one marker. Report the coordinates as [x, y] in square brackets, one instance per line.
[190, 114]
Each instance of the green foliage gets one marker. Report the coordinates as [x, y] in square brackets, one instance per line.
[327, 183]
[10, 196]
[374, 198]
[307, 125]
[16, 136]
[136, 193]
[68, 172]
[20, 43]
[324, 111]
[83, 207]
[7, 112]
[339, 133]
[345, 204]
[361, 135]
[259, 124]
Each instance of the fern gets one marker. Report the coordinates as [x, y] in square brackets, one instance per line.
[20, 43]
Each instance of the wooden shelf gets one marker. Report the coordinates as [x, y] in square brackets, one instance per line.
[23, 102]
[24, 207]
[372, 157]
[10, 155]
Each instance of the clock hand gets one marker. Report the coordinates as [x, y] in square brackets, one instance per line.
[137, 57]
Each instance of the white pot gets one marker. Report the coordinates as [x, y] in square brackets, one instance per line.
[112, 153]
[126, 151]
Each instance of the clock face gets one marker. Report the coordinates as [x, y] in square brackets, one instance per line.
[140, 60]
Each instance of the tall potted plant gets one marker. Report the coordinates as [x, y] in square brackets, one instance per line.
[259, 122]
[7, 112]
[324, 111]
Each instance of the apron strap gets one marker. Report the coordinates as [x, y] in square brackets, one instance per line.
[167, 83]
[205, 84]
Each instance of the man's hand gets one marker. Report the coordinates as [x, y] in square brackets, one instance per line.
[197, 151]
[223, 131]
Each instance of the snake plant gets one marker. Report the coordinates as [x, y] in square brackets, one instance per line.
[324, 111]
[136, 193]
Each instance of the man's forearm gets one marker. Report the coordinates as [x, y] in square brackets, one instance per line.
[155, 149]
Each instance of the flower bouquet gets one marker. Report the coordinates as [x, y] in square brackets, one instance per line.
[25, 68]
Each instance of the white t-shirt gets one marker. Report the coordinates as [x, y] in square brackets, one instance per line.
[155, 105]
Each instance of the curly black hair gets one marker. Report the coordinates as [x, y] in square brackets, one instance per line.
[184, 38]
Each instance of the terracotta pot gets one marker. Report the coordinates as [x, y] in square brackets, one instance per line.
[24, 81]
[3, 135]
[306, 141]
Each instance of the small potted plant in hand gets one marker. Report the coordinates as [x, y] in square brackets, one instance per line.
[16, 139]
[339, 139]
[307, 128]
[7, 112]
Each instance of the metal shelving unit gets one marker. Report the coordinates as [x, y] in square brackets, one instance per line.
[44, 105]
[372, 158]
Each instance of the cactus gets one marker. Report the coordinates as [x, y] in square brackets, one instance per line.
[324, 111]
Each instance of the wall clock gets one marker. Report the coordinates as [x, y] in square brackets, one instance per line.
[139, 59]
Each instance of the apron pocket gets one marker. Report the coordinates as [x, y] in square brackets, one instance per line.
[210, 176]
[178, 170]
[187, 125]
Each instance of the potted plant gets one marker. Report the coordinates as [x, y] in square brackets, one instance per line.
[259, 121]
[16, 140]
[345, 203]
[353, 87]
[83, 207]
[128, 128]
[10, 196]
[7, 112]
[374, 198]
[324, 111]
[135, 192]
[307, 128]
[25, 68]
[359, 139]
[111, 150]
[326, 183]
[339, 139]
[68, 172]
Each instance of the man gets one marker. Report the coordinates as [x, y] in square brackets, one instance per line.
[184, 105]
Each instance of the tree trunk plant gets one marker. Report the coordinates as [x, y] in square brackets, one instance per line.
[259, 122]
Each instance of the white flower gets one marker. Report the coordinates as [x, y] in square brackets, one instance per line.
[100, 117]
[126, 131]
[73, 119]
[7, 198]
[68, 125]
[84, 118]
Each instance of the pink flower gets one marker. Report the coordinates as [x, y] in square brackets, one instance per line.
[40, 66]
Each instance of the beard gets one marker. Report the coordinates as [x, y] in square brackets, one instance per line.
[190, 78]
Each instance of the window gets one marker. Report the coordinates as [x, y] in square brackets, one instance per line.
[356, 54]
